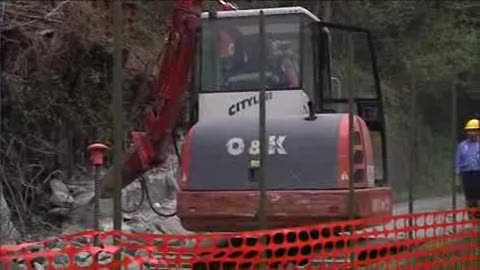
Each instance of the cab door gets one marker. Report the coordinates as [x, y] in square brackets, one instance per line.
[341, 46]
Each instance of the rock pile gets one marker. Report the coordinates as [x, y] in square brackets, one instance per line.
[162, 187]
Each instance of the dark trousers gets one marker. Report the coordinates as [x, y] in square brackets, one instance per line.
[471, 187]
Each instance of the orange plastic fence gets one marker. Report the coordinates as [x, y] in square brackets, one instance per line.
[419, 241]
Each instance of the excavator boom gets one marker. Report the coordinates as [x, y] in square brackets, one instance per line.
[175, 64]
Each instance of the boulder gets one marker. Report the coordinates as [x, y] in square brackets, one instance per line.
[61, 196]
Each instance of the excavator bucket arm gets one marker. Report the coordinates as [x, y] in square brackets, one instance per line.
[175, 63]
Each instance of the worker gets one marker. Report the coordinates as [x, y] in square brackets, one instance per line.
[285, 57]
[468, 163]
[240, 57]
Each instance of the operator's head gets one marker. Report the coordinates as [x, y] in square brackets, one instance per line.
[226, 51]
[472, 129]
[227, 45]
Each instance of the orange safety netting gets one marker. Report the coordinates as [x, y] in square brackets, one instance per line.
[418, 241]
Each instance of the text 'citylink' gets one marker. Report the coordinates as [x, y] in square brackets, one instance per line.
[236, 146]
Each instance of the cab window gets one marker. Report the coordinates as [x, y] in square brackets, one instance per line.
[230, 54]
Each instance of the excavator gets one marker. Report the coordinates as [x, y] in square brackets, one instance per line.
[214, 58]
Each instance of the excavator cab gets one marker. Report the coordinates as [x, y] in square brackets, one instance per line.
[306, 82]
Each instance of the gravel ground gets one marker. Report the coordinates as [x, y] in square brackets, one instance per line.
[429, 204]
[421, 206]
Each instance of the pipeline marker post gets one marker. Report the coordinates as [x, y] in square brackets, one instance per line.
[97, 152]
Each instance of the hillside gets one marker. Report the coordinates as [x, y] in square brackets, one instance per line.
[56, 62]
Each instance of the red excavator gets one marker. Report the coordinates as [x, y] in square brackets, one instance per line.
[215, 57]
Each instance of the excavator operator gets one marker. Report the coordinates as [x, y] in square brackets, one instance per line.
[468, 163]
[240, 57]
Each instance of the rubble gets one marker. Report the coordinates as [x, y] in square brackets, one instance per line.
[161, 187]
[61, 196]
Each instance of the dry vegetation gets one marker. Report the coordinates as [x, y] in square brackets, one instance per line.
[56, 59]
[56, 66]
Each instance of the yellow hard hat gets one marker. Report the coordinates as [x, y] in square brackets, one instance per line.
[472, 124]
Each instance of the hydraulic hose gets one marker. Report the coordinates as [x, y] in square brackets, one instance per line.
[175, 146]
[144, 188]
[145, 194]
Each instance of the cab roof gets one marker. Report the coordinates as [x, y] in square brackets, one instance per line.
[267, 11]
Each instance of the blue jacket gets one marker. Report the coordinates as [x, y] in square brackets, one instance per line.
[468, 156]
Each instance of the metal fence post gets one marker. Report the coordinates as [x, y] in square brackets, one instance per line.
[117, 113]
[351, 131]
[453, 135]
[262, 126]
[351, 127]
[2, 218]
[413, 139]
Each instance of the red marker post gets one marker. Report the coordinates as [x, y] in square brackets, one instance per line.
[97, 153]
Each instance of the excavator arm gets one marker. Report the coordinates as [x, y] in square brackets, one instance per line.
[175, 62]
